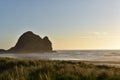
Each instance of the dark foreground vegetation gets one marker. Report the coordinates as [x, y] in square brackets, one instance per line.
[14, 69]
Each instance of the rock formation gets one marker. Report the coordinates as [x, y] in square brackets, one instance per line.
[31, 43]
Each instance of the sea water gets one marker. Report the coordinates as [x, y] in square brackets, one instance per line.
[97, 57]
[87, 55]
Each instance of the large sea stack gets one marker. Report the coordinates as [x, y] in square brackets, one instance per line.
[31, 43]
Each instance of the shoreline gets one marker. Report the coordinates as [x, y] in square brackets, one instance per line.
[106, 63]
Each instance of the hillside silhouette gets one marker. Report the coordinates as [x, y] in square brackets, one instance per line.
[30, 42]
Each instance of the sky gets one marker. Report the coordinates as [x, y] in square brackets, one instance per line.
[70, 24]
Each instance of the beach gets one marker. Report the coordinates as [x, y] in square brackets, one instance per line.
[100, 57]
[61, 65]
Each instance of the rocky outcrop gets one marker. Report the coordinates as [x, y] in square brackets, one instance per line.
[31, 43]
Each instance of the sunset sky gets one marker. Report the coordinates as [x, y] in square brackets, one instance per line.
[70, 24]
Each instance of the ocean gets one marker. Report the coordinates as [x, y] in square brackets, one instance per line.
[111, 57]
[84, 55]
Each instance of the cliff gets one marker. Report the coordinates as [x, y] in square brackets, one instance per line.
[31, 43]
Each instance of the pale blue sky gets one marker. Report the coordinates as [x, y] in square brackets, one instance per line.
[62, 20]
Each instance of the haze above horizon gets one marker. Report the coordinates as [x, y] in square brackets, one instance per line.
[70, 24]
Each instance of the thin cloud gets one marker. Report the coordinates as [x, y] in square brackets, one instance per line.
[99, 35]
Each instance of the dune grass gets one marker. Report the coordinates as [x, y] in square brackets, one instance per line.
[14, 69]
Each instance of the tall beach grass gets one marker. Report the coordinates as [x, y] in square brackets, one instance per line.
[15, 69]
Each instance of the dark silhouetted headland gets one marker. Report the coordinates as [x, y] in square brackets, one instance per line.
[30, 43]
